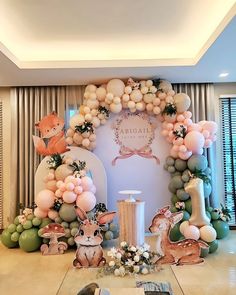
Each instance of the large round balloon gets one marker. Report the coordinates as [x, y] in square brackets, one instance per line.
[6, 239]
[207, 233]
[29, 240]
[67, 212]
[116, 87]
[45, 199]
[221, 227]
[86, 201]
[194, 141]
[182, 102]
[198, 162]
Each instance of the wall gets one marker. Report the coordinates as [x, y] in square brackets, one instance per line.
[221, 89]
[5, 98]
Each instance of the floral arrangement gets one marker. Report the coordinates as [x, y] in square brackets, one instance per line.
[129, 259]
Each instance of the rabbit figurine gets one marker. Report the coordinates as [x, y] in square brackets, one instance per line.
[88, 239]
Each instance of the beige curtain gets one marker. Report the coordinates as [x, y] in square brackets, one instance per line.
[203, 108]
[29, 105]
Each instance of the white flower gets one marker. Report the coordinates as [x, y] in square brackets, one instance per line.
[118, 255]
[144, 271]
[129, 262]
[111, 263]
[112, 253]
[123, 244]
[136, 258]
[133, 249]
[117, 272]
[146, 255]
[136, 268]
[146, 247]
[122, 270]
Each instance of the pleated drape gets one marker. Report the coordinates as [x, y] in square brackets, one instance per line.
[203, 108]
[29, 105]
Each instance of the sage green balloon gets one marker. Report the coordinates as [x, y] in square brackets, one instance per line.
[113, 227]
[30, 217]
[19, 228]
[198, 162]
[115, 234]
[109, 235]
[6, 239]
[71, 241]
[204, 252]
[180, 165]
[11, 228]
[170, 161]
[207, 189]
[45, 221]
[74, 231]
[171, 169]
[182, 195]
[67, 233]
[186, 215]
[208, 214]
[174, 199]
[213, 246]
[27, 224]
[16, 220]
[58, 220]
[177, 182]
[176, 173]
[188, 206]
[15, 237]
[36, 221]
[67, 212]
[175, 233]
[221, 227]
[215, 215]
[74, 224]
[173, 209]
[172, 188]
[65, 224]
[29, 240]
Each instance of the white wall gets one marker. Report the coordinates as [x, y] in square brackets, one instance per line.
[221, 89]
[5, 98]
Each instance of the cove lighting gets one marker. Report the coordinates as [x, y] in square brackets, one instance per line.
[222, 75]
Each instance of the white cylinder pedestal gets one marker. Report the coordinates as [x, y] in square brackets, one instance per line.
[131, 221]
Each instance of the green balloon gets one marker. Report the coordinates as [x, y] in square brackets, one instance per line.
[67, 212]
[204, 252]
[186, 215]
[198, 162]
[109, 235]
[29, 240]
[215, 215]
[36, 221]
[115, 234]
[185, 178]
[165, 166]
[65, 224]
[12, 228]
[188, 206]
[180, 165]
[171, 169]
[27, 224]
[209, 209]
[176, 173]
[6, 239]
[213, 246]
[182, 195]
[67, 233]
[71, 241]
[221, 227]
[58, 220]
[40, 232]
[173, 209]
[177, 182]
[74, 224]
[16, 221]
[74, 231]
[105, 227]
[19, 228]
[208, 214]
[170, 161]
[113, 227]
[15, 237]
[30, 217]
[175, 234]
[207, 189]
[45, 221]
[172, 188]
[174, 199]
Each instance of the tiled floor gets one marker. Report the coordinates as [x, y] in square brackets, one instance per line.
[32, 273]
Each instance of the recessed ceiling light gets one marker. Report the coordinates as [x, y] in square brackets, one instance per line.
[222, 75]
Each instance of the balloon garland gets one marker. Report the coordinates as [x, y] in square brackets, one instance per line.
[154, 96]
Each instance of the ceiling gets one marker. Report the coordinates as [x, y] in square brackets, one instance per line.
[72, 42]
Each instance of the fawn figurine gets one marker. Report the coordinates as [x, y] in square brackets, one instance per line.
[182, 252]
[88, 239]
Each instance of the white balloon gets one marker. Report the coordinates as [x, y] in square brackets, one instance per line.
[92, 104]
[88, 117]
[125, 97]
[144, 89]
[165, 86]
[90, 88]
[140, 106]
[149, 83]
[85, 142]
[116, 100]
[148, 97]
[131, 104]
[101, 93]
[136, 95]
[96, 122]
[116, 86]
[182, 102]
[128, 89]
[76, 120]
[153, 89]
[86, 110]
[109, 96]
[116, 108]
[77, 138]
[92, 95]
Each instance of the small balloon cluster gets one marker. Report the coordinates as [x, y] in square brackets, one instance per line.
[154, 96]
[181, 172]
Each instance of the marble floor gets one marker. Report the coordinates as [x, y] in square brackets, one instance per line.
[32, 273]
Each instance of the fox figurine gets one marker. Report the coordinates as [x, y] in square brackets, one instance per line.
[50, 127]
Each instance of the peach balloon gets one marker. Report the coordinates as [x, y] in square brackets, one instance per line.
[40, 213]
[86, 201]
[194, 141]
[51, 185]
[69, 197]
[78, 190]
[52, 214]
[45, 199]
[58, 193]
[185, 156]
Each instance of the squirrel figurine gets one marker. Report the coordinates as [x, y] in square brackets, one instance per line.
[51, 127]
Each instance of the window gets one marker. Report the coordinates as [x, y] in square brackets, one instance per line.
[228, 130]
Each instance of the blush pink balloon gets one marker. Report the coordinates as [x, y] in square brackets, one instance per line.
[194, 141]
[60, 183]
[192, 232]
[194, 127]
[69, 178]
[78, 189]
[213, 138]
[188, 122]
[51, 185]
[45, 199]
[187, 114]
[208, 143]
[165, 132]
[180, 118]
[69, 197]
[175, 147]
[179, 141]
[86, 183]
[52, 214]
[76, 181]
[169, 126]
[206, 133]
[211, 126]
[185, 156]
[86, 201]
[182, 148]
[93, 189]
[70, 186]
[40, 213]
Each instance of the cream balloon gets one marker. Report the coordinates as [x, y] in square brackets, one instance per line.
[136, 95]
[116, 87]
[116, 108]
[182, 102]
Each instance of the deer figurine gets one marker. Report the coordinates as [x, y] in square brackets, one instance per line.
[182, 252]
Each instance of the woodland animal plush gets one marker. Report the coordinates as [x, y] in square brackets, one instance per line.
[88, 239]
[51, 127]
[182, 252]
